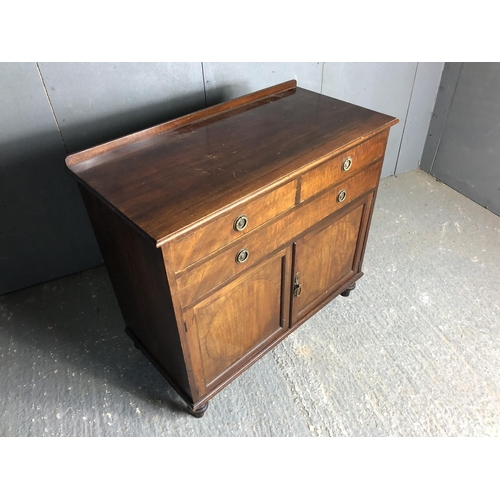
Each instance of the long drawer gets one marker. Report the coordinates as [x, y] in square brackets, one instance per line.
[194, 283]
[211, 236]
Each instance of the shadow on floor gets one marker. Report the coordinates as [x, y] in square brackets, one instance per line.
[77, 321]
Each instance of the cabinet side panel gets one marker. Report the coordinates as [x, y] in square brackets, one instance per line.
[371, 207]
[138, 276]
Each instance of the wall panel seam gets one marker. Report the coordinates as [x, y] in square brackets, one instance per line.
[204, 84]
[50, 105]
[322, 76]
[447, 116]
[406, 119]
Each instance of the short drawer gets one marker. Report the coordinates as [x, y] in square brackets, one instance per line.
[253, 248]
[208, 238]
[343, 166]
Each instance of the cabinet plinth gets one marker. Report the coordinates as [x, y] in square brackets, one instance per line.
[224, 230]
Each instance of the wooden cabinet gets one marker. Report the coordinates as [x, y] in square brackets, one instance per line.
[222, 231]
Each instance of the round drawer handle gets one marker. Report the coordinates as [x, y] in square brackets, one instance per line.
[240, 223]
[242, 256]
[346, 164]
[341, 196]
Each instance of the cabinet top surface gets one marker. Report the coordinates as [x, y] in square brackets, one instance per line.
[172, 176]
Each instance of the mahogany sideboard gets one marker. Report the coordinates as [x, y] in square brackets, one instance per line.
[225, 229]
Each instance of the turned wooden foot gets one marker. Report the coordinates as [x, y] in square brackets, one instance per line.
[138, 347]
[199, 412]
[347, 291]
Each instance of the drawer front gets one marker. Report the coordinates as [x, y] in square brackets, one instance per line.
[342, 166]
[253, 248]
[200, 242]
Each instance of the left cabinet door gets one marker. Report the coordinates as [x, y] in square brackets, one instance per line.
[235, 324]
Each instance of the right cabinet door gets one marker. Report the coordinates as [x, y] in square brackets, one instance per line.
[327, 257]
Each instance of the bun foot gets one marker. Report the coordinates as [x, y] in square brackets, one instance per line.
[198, 412]
[138, 347]
[347, 291]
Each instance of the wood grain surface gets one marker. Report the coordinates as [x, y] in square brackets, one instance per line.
[168, 182]
[208, 273]
[225, 230]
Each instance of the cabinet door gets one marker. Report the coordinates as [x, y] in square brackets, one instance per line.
[236, 323]
[326, 258]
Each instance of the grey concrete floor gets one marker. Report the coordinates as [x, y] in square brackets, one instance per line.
[414, 351]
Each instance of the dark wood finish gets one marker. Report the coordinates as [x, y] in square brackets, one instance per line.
[137, 273]
[169, 182]
[330, 172]
[198, 412]
[163, 204]
[207, 274]
[201, 242]
[232, 324]
[198, 116]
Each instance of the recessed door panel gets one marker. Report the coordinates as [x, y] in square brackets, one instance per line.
[324, 260]
[241, 318]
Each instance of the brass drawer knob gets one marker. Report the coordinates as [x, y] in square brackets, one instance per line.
[341, 196]
[346, 164]
[242, 256]
[240, 223]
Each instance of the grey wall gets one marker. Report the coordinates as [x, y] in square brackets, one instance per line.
[48, 110]
[404, 90]
[463, 147]
[44, 231]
